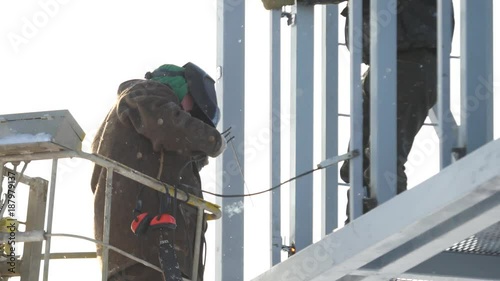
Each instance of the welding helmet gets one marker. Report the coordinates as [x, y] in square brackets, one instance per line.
[191, 78]
[202, 89]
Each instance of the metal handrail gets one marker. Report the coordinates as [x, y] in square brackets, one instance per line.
[214, 209]
[113, 166]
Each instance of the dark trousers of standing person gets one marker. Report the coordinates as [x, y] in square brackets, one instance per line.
[416, 94]
[137, 272]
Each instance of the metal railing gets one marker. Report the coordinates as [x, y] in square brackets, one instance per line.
[206, 211]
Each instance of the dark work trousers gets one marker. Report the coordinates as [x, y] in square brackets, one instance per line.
[416, 94]
[137, 272]
[184, 251]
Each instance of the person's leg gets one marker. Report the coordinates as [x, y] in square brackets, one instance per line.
[417, 88]
[185, 241]
[137, 272]
[416, 94]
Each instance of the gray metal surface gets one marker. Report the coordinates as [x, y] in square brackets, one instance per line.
[447, 138]
[383, 73]
[476, 126]
[356, 192]
[50, 217]
[39, 132]
[108, 196]
[448, 266]
[462, 188]
[301, 127]
[37, 204]
[486, 242]
[330, 108]
[428, 244]
[21, 237]
[275, 126]
[197, 242]
[29, 264]
[231, 93]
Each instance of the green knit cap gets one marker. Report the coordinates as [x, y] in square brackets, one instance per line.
[173, 76]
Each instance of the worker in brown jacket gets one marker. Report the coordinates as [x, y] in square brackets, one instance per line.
[164, 127]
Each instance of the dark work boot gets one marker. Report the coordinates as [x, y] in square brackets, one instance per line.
[368, 205]
[344, 171]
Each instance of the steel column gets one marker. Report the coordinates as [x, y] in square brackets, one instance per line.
[447, 138]
[229, 265]
[330, 108]
[383, 105]
[330, 118]
[476, 127]
[356, 192]
[301, 127]
[275, 151]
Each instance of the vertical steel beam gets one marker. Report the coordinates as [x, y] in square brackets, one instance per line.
[275, 151]
[108, 196]
[231, 92]
[383, 105]
[330, 118]
[447, 139]
[356, 193]
[35, 220]
[197, 242]
[50, 217]
[476, 127]
[301, 133]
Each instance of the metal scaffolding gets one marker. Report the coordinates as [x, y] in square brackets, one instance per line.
[27, 137]
[460, 203]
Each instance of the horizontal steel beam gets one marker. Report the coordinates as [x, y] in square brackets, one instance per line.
[22, 178]
[443, 267]
[464, 184]
[29, 236]
[427, 245]
[75, 255]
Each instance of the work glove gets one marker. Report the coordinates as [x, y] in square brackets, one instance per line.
[222, 147]
[226, 137]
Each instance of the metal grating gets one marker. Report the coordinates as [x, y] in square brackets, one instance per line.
[486, 242]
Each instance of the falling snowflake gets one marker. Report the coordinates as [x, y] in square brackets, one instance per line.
[233, 209]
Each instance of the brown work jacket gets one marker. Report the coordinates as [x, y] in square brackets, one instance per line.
[146, 122]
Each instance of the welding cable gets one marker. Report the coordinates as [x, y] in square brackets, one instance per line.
[263, 191]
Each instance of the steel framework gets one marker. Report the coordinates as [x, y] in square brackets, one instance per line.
[407, 236]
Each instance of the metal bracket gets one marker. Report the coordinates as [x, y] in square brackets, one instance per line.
[291, 250]
[459, 152]
[290, 18]
[335, 159]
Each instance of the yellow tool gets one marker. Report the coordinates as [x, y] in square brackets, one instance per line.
[7, 225]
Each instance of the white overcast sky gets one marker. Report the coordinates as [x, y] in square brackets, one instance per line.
[69, 54]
